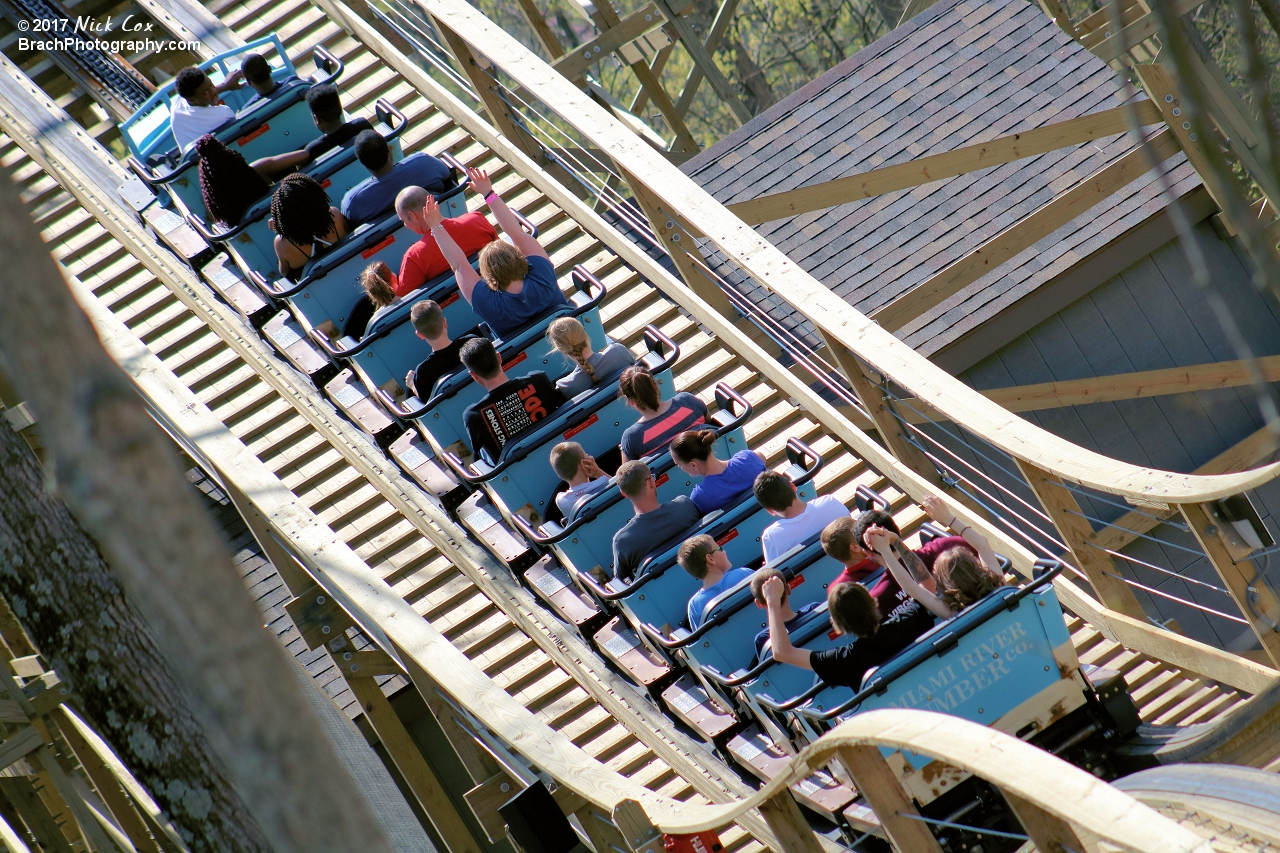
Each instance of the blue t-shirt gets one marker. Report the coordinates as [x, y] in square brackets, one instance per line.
[374, 196]
[704, 596]
[510, 312]
[717, 491]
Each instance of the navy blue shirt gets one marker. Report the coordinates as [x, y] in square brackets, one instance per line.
[374, 196]
[510, 312]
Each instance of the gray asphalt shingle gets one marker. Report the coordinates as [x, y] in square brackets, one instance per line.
[962, 72]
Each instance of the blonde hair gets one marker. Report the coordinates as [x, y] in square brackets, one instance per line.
[502, 263]
[569, 338]
[376, 284]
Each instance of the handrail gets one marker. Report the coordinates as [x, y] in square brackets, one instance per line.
[829, 313]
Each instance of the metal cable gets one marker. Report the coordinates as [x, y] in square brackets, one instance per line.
[1160, 569]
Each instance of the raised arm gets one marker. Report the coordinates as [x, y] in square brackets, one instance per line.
[271, 167]
[506, 219]
[462, 271]
[886, 546]
[233, 81]
[937, 510]
[779, 639]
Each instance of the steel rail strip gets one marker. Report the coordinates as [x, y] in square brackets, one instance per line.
[569, 653]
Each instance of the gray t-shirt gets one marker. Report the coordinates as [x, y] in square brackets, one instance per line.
[651, 532]
[607, 364]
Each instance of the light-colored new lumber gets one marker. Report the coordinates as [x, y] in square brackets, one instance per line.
[936, 167]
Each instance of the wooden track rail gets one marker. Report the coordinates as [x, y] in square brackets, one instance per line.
[1043, 784]
[828, 312]
[478, 648]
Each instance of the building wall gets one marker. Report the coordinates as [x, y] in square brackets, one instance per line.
[1148, 317]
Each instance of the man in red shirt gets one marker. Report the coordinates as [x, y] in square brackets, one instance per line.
[423, 261]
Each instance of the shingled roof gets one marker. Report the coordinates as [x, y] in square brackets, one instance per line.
[962, 72]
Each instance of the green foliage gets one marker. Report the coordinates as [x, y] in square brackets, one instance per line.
[772, 48]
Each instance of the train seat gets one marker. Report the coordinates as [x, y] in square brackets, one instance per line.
[265, 128]
[1014, 640]
[521, 481]
[251, 241]
[584, 543]
[440, 418]
[391, 348]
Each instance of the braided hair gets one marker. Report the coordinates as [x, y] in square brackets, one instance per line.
[569, 338]
[228, 183]
[300, 208]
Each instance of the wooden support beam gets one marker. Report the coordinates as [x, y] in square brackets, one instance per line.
[1245, 454]
[9, 838]
[636, 829]
[659, 63]
[1050, 833]
[789, 826]
[1146, 26]
[286, 564]
[1060, 16]
[22, 796]
[78, 812]
[936, 167]
[1129, 386]
[601, 832]
[122, 809]
[676, 240]
[879, 785]
[1257, 600]
[1077, 534]
[720, 26]
[1022, 235]
[883, 414]
[607, 19]
[1161, 88]
[157, 824]
[541, 28]
[487, 90]
[626, 30]
[704, 60]
[413, 767]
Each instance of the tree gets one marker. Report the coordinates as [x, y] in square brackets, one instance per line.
[72, 606]
[116, 472]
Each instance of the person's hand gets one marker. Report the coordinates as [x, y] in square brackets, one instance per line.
[384, 271]
[271, 224]
[591, 468]
[937, 510]
[878, 538]
[431, 212]
[408, 380]
[480, 180]
[235, 80]
[772, 590]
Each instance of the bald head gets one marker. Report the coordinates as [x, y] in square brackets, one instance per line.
[409, 204]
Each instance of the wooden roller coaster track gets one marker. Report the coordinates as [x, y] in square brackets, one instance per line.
[475, 644]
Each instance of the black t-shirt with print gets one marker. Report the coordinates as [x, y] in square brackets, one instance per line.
[847, 664]
[509, 410]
